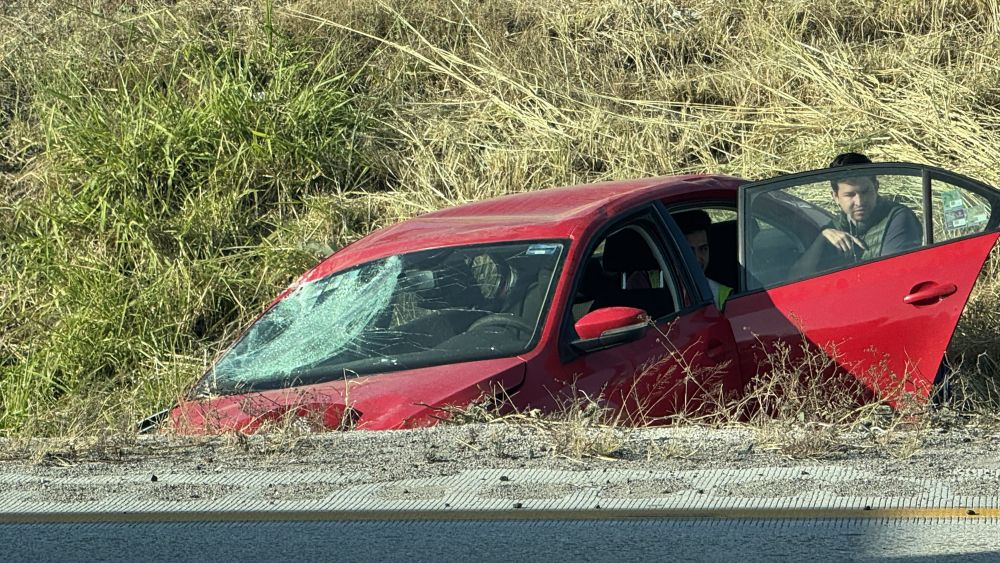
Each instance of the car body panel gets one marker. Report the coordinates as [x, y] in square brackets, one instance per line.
[402, 399]
[859, 318]
[671, 369]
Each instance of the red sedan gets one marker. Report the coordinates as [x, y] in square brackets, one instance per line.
[596, 289]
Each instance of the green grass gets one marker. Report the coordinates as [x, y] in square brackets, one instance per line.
[167, 167]
[179, 169]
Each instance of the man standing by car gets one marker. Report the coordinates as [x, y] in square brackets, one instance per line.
[869, 226]
[695, 225]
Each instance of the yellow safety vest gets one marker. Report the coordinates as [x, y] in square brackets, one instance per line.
[720, 293]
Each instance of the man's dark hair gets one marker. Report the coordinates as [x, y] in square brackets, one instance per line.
[849, 159]
[693, 221]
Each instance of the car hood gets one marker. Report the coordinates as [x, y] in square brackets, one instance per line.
[404, 399]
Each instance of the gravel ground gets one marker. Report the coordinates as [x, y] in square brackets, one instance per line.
[966, 456]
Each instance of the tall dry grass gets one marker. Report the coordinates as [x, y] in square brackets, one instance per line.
[498, 98]
[165, 167]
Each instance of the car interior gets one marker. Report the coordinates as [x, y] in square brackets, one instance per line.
[723, 241]
[626, 269]
[495, 305]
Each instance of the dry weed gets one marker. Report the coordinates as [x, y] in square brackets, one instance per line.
[579, 427]
[799, 441]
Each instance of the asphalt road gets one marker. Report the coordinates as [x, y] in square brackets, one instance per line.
[551, 540]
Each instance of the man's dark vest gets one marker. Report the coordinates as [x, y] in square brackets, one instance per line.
[871, 231]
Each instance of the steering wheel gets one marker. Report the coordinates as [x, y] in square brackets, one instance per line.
[502, 321]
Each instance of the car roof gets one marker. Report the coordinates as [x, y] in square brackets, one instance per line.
[564, 212]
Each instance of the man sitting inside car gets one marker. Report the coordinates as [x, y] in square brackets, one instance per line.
[695, 225]
[868, 226]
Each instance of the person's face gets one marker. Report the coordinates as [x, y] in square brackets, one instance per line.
[856, 197]
[699, 245]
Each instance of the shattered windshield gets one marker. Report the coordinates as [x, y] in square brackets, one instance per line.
[413, 310]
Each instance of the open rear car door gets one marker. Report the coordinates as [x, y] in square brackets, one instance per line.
[884, 310]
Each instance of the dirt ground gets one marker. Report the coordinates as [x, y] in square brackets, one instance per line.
[966, 455]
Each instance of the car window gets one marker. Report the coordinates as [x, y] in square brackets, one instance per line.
[958, 212]
[773, 247]
[721, 214]
[407, 311]
[627, 268]
[837, 218]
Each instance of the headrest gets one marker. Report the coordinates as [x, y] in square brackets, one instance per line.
[594, 282]
[627, 251]
[724, 229]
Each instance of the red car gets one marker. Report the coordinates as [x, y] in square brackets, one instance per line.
[536, 296]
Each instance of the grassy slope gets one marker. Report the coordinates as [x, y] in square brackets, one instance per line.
[165, 167]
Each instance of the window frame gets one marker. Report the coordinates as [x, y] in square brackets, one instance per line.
[693, 269]
[927, 174]
[664, 235]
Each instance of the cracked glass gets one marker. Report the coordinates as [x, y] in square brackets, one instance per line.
[421, 309]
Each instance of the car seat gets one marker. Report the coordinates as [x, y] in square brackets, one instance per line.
[625, 253]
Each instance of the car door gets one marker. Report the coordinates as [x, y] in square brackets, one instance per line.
[884, 317]
[685, 359]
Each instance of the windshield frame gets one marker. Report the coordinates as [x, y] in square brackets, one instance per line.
[211, 385]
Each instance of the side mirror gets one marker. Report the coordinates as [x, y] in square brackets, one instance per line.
[609, 327]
